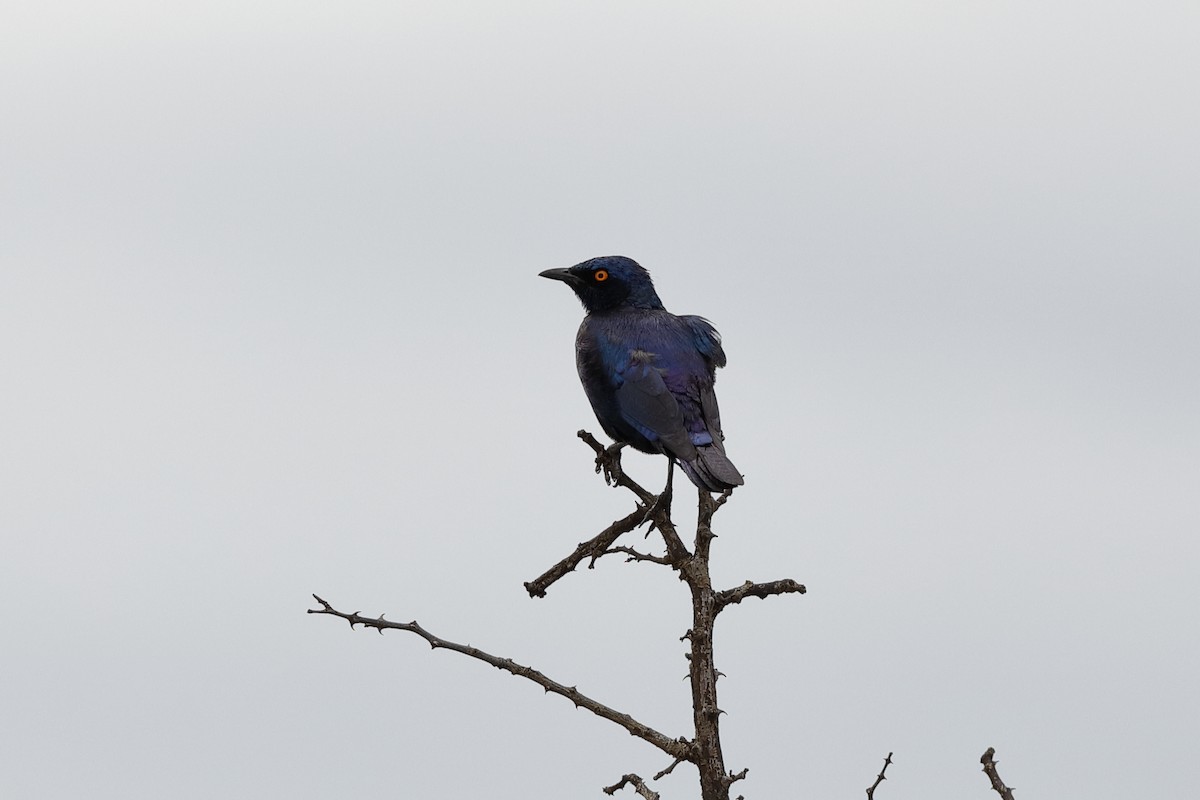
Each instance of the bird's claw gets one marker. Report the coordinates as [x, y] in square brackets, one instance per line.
[661, 505]
[609, 462]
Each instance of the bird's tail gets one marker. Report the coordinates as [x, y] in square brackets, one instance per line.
[712, 470]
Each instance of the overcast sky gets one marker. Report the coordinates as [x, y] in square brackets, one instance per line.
[270, 324]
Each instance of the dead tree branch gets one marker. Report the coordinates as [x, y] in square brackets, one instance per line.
[637, 783]
[880, 778]
[648, 510]
[676, 748]
[989, 768]
[634, 555]
[665, 772]
[714, 781]
[606, 458]
[593, 548]
[763, 590]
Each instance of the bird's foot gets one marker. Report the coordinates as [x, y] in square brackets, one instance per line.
[609, 462]
[661, 505]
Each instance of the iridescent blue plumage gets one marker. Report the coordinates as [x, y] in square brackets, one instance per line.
[649, 374]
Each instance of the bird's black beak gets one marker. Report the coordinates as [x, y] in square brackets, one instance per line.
[561, 274]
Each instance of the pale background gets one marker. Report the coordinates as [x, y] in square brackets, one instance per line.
[270, 324]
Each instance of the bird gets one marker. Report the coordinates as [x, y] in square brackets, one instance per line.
[648, 373]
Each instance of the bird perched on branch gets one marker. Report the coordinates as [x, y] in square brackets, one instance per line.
[649, 374]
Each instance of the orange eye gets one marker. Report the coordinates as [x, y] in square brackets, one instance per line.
[600, 275]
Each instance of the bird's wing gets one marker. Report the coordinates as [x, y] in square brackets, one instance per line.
[712, 415]
[647, 403]
[708, 342]
[706, 338]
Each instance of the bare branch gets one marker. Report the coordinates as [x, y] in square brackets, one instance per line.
[714, 780]
[764, 590]
[593, 548]
[602, 543]
[660, 516]
[989, 768]
[649, 510]
[707, 507]
[637, 783]
[677, 552]
[733, 778]
[668, 770]
[634, 555]
[676, 748]
[880, 778]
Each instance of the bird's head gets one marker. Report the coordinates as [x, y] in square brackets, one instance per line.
[609, 282]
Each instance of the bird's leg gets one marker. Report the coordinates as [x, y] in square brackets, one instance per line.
[668, 493]
[663, 501]
[610, 463]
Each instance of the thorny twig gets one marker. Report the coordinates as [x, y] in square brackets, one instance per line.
[594, 548]
[660, 515]
[665, 772]
[676, 748]
[749, 589]
[989, 767]
[602, 543]
[637, 783]
[635, 555]
[880, 778]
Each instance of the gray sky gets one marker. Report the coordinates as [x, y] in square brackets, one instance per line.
[270, 324]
